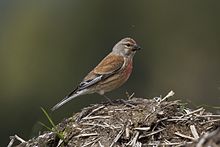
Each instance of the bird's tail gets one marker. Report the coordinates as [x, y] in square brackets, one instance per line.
[67, 99]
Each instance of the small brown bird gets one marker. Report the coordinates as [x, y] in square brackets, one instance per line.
[109, 74]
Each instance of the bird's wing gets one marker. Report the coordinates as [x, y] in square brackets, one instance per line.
[108, 66]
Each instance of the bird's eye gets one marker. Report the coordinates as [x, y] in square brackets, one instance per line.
[128, 44]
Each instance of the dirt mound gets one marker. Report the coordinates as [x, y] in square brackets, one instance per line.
[135, 122]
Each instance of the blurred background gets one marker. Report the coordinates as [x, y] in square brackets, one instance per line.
[47, 47]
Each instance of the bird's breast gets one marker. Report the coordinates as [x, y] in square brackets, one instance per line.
[128, 69]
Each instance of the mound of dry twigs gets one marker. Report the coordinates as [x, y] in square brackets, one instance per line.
[135, 122]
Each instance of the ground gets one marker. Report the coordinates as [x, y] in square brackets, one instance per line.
[134, 122]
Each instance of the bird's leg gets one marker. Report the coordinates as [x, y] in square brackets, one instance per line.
[109, 100]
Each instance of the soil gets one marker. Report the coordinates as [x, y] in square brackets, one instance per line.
[134, 122]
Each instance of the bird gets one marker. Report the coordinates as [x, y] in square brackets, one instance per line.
[111, 73]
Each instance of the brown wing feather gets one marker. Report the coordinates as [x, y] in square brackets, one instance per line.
[108, 65]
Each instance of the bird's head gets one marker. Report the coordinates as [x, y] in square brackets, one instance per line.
[126, 47]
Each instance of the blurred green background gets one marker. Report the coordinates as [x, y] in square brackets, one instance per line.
[47, 47]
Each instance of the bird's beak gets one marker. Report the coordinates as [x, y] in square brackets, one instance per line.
[136, 48]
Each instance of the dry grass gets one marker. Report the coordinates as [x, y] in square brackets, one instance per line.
[135, 122]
